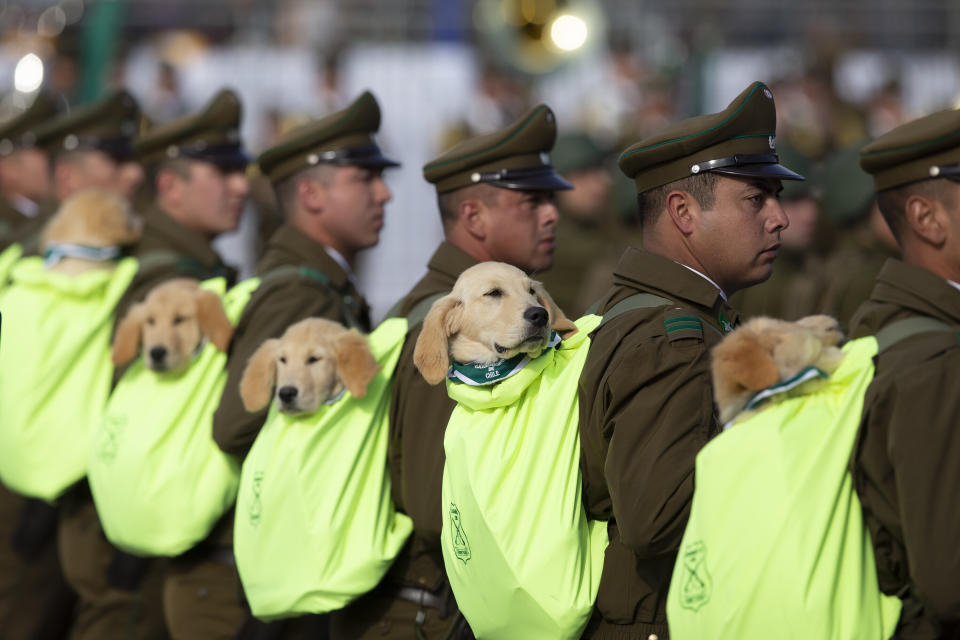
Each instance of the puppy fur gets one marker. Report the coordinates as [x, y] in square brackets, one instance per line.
[314, 360]
[765, 351]
[170, 323]
[487, 316]
[92, 218]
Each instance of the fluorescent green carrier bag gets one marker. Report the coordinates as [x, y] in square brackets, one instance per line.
[55, 372]
[315, 524]
[776, 546]
[522, 558]
[159, 480]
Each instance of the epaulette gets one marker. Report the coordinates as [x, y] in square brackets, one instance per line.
[681, 324]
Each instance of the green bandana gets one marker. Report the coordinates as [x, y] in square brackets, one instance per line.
[478, 375]
[57, 252]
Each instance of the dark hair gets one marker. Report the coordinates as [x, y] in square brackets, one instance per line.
[286, 189]
[449, 203]
[701, 186]
[892, 202]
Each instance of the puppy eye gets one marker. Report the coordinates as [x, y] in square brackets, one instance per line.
[494, 293]
[532, 292]
[151, 321]
[283, 360]
[313, 359]
[178, 319]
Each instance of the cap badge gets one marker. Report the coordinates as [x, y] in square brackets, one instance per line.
[71, 142]
[772, 141]
[934, 172]
[544, 157]
[767, 93]
[695, 169]
[313, 158]
[475, 177]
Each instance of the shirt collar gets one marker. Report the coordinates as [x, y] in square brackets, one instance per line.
[707, 278]
[24, 205]
[955, 285]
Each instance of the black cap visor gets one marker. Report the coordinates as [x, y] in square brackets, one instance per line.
[228, 156]
[542, 178]
[949, 171]
[764, 165]
[368, 156]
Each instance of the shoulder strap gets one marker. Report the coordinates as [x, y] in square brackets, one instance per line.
[288, 271]
[636, 301]
[421, 309]
[902, 329]
[182, 264]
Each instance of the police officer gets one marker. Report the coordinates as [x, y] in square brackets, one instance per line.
[905, 461]
[197, 166]
[495, 195]
[328, 176]
[711, 223]
[24, 170]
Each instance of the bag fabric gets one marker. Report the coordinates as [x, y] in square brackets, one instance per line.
[776, 545]
[159, 480]
[55, 372]
[315, 524]
[521, 556]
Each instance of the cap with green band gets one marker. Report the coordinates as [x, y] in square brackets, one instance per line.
[20, 131]
[516, 157]
[343, 138]
[738, 141]
[921, 149]
[210, 135]
[108, 125]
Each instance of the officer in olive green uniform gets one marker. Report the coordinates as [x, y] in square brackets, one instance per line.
[496, 203]
[24, 167]
[907, 459]
[190, 159]
[328, 178]
[91, 146]
[710, 222]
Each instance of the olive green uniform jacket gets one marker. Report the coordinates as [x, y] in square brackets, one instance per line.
[272, 308]
[646, 409]
[852, 270]
[418, 418]
[906, 462]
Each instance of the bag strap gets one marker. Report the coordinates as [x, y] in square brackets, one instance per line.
[290, 271]
[182, 264]
[636, 301]
[421, 309]
[908, 327]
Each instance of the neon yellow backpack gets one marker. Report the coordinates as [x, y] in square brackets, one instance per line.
[776, 545]
[55, 372]
[315, 524]
[159, 480]
[8, 258]
[522, 558]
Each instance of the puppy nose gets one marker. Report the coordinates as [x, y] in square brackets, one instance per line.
[287, 394]
[537, 316]
[157, 354]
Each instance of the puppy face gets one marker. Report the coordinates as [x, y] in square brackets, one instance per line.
[494, 311]
[170, 324]
[93, 218]
[313, 361]
[765, 351]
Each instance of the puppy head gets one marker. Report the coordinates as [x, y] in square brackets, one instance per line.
[313, 361]
[494, 311]
[765, 351]
[93, 218]
[170, 323]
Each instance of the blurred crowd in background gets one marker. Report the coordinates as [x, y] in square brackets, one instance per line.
[842, 73]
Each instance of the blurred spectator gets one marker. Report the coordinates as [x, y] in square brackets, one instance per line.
[166, 101]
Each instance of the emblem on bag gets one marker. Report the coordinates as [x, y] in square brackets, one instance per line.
[461, 546]
[697, 585]
[256, 507]
[109, 440]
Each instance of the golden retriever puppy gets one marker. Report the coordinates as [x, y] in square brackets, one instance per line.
[88, 231]
[171, 323]
[765, 351]
[314, 361]
[494, 312]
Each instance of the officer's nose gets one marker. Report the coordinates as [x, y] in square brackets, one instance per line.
[287, 394]
[537, 316]
[158, 354]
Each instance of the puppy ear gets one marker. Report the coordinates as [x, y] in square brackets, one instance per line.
[213, 319]
[126, 341]
[740, 366]
[558, 321]
[431, 355]
[256, 384]
[355, 364]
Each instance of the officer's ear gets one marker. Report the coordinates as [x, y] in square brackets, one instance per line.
[213, 319]
[259, 376]
[356, 366]
[558, 321]
[126, 341]
[431, 355]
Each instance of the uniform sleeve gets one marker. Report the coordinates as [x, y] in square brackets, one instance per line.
[267, 316]
[656, 414]
[924, 447]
